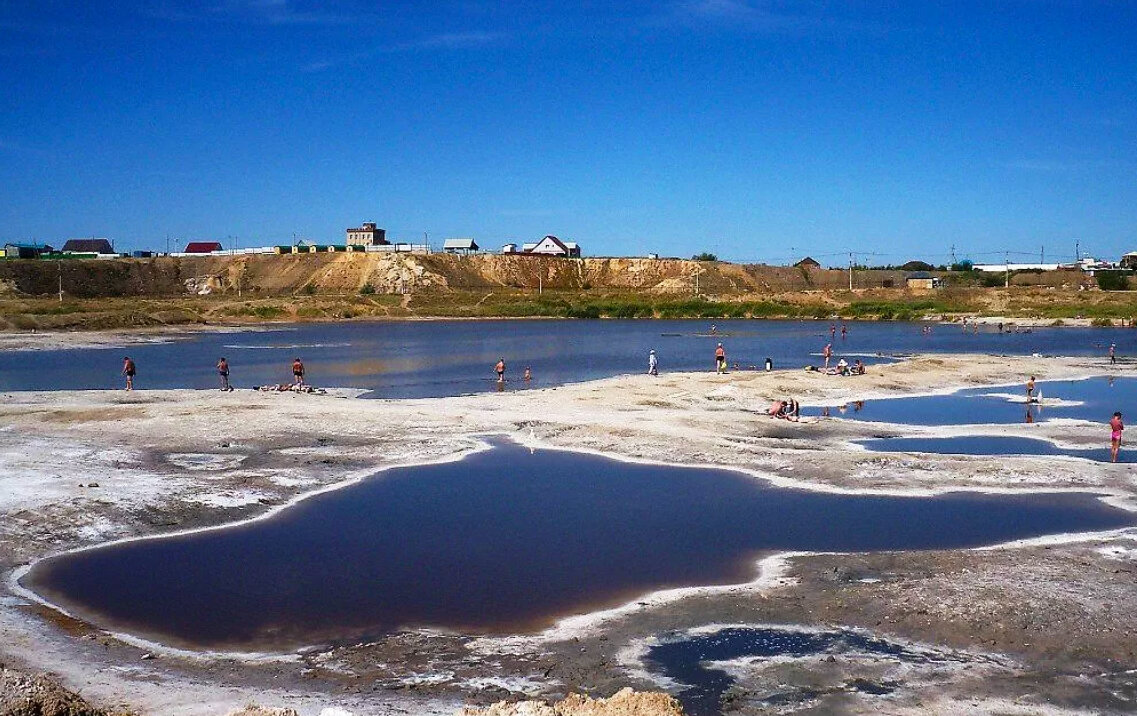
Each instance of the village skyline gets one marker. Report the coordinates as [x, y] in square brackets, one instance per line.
[755, 130]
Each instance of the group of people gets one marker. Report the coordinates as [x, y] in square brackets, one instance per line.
[788, 409]
[499, 369]
[130, 369]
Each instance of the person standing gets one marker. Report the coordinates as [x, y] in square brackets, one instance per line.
[297, 373]
[528, 374]
[1030, 390]
[827, 353]
[720, 359]
[844, 331]
[1112, 353]
[652, 363]
[500, 370]
[223, 371]
[1115, 428]
[129, 370]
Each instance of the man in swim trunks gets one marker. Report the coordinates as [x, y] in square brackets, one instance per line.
[128, 369]
[1115, 428]
[1112, 353]
[223, 371]
[500, 370]
[1030, 390]
[827, 353]
[720, 359]
[297, 373]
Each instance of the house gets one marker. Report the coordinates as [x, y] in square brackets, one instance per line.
[807, 263]
[1129, 260]
[366, 235]
[88, 246]
[459, 246]
[203, 247]
[25, 250]
[923, 280]
[552, 246]
[509, 249]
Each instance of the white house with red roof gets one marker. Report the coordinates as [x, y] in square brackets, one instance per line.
[552, 246]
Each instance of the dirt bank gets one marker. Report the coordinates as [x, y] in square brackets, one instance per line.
[132, 293]
[1049, 622]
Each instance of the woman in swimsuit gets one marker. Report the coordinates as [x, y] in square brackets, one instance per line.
[1115, 428]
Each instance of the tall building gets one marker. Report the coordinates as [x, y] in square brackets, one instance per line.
[366, 235]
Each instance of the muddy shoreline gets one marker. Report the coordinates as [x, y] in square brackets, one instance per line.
[87, 467]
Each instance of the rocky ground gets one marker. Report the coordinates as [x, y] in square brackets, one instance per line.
[1037, 627]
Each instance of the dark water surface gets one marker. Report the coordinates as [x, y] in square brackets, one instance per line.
[685, 661]
[397, 359]
[994, 445]
[505, 540]
[1100, 397]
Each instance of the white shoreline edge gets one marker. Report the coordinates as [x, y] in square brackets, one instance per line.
[770, 572]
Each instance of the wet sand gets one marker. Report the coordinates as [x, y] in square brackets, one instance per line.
[87, 467]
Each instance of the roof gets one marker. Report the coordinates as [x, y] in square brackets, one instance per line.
[554, 239]
[918, 274]
[469, 244]
[202, 247]
[808, 260]
[88, 246]
[27, 245]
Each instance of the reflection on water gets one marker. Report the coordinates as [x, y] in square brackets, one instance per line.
[506, 539]
[434, 358]
[992, 445]
[1093, 399]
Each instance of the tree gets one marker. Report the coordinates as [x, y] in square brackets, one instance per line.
[965, 265]
[1112, 280]
[705, 256]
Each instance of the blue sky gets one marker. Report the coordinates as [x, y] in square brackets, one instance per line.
[760, 130]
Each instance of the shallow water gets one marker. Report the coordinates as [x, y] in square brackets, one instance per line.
[686, 660]
[397, 359]
[993, 445]
[504, 540]
[1099, 397]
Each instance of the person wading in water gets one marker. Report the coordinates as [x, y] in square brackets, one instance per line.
[500, 370]
[297, 373]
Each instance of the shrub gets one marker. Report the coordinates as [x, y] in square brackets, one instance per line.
[367, 290]
[705, 256]
[1112, 280]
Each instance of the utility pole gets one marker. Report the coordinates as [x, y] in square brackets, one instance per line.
[1077, 250]
[850, 270]
[1042, 255]
[60, 264]
[1007, 263]
[167, 243]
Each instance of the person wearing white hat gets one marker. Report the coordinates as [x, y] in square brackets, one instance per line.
[652, 363]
